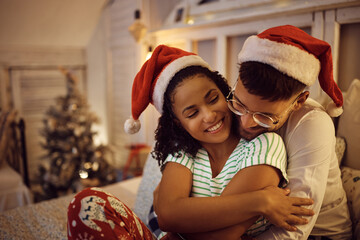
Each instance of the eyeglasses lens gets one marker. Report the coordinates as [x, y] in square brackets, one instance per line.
[261, 119]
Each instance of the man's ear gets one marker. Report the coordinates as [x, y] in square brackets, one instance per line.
[301, 100]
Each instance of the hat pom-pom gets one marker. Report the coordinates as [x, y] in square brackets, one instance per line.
[132, 126]
[333, 110]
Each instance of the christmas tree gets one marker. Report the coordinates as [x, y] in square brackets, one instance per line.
[72, 159]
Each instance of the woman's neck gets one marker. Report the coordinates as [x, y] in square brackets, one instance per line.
[220, 153]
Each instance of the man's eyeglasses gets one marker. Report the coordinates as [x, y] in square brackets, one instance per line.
[262, 119]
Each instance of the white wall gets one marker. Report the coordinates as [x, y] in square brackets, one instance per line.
[113, 44]
[349, 54]
[97, 79]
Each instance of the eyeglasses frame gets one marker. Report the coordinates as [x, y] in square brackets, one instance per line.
[247, 111]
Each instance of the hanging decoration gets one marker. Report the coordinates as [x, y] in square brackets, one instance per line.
[138, 28]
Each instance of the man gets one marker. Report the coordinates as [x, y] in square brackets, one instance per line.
[275, 68]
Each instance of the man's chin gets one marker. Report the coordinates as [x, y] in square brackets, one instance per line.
[251, 135]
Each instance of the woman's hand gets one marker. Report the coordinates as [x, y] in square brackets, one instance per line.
[284, 211]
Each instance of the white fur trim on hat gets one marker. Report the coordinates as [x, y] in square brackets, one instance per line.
[169, 72]
[333, 110]
[288, 59]
[132, 126]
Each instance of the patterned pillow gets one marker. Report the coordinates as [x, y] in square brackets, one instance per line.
[340, 148]
[351, 183]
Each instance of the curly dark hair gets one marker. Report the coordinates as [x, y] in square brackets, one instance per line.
[171, 138]
[267, 82]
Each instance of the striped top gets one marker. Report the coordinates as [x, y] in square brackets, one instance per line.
[267, 148]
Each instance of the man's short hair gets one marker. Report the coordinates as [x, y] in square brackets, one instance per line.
[263, 80]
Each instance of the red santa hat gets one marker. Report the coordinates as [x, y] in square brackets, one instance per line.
[297, 54]
[151, 81]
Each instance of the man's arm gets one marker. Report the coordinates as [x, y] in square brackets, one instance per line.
[177, 212]
[309, 145]
[254, 177]
[220, 212]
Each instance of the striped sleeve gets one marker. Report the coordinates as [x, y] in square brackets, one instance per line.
[181, 158]
[268, 148]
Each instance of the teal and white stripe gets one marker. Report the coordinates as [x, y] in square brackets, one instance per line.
[268, 148]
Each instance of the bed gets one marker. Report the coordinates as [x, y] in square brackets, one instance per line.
[47, 220]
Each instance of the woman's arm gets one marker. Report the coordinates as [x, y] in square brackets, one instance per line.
[177, 212]
[247, 180]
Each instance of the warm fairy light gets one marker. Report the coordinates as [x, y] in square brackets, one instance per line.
[87, 165]
[83, 174]
[95, 166]
[190, 21]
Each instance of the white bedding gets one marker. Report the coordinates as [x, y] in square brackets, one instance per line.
[47, 220]
[13, 192]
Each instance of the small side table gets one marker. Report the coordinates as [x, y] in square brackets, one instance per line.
[134, 156]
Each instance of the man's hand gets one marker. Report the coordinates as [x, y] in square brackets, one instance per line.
[284, 211]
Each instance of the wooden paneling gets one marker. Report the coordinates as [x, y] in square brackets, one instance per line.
[41, 56]
[30, 80]
[349, 50]
[125, 64]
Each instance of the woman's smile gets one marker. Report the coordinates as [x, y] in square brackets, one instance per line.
[216, 127]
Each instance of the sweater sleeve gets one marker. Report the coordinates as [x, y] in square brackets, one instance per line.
[268, 148]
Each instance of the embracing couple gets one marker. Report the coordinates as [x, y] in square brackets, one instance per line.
[230, 157]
